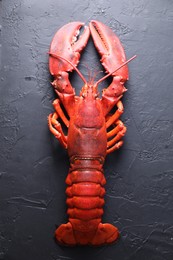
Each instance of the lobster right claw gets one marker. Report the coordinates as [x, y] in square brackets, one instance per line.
[64, 54]
[66, 44]
[110, 49]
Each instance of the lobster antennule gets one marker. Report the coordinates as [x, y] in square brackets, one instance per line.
[74, 67]
[111, 73]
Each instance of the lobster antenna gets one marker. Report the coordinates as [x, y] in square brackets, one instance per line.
[88, 70]
[74, 67]
[109, 74]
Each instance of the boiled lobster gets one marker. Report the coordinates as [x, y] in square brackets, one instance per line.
[93, 132]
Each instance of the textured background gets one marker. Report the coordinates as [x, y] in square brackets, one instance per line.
[33, 166]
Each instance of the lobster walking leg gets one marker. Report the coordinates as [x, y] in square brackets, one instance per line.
[118, 127]
[56, 104]
[119, 131]
[56, 129]
[115, 147]
[116, 115]
[118, 136]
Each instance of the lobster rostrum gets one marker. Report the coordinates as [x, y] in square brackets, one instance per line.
[88, 120]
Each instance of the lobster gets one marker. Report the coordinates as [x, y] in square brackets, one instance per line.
[92, 131]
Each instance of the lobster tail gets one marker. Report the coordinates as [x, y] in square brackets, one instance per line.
[85, 202]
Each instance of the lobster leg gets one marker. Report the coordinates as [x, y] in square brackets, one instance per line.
[117, 137]
[116, 115]
[116, 134]
[119, 126]
[56, 129]
[115, 147]
[115, 142]
[58, 109]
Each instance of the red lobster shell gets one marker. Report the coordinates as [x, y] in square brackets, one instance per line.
[88, 140]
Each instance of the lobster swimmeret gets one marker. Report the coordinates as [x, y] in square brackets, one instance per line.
[88, 119]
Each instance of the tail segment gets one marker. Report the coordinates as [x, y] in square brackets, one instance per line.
[85, 202]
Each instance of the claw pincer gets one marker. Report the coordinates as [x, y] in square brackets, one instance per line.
[67, 44]
[92, 131]
[110, 49]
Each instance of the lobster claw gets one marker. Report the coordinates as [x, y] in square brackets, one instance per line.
[67, 44]
[110, 49]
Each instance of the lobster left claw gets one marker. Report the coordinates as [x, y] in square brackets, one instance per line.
[112, 58]
[110, 49]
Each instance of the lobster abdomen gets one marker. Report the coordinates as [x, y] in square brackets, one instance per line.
[85, 198]
[85, 202]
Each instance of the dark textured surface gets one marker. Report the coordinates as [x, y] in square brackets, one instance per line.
[33, 166]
